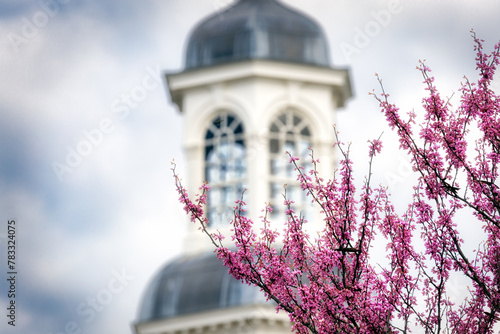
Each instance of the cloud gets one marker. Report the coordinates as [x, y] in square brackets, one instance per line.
[117, 208]
[75, 233]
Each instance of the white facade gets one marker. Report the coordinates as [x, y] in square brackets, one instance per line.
[256, 91]
[251, 319]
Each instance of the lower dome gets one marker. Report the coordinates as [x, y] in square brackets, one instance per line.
[191, 284]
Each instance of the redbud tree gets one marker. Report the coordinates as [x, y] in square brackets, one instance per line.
[328, 283]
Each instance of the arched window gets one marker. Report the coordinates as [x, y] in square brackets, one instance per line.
[288, 132]
[225, 166]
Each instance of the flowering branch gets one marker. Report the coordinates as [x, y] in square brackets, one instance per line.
[329, 284]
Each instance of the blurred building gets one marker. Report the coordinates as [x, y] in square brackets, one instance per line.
[257, 82]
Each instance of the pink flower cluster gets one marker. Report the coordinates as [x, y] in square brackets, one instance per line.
[328, 284]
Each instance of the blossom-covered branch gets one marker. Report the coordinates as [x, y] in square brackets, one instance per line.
[329, 283]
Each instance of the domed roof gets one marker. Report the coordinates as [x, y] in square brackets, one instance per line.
[257, 29]
[192, 284]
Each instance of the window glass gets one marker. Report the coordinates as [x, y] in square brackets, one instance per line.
[225, 166]
[289, 132]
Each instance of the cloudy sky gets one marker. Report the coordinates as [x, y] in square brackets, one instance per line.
[85, 168]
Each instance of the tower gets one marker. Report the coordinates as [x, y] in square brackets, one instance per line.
[257, 83]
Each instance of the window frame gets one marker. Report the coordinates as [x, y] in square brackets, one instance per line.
[288, 127]
[225, 167]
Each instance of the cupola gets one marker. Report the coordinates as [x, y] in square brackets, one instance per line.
[257, 29]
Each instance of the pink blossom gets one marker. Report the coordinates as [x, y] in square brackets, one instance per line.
[328, 284]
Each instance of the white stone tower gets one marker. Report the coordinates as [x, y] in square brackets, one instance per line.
[257, 83]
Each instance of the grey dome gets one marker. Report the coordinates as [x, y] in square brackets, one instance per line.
[257, 29]
[191, 284]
